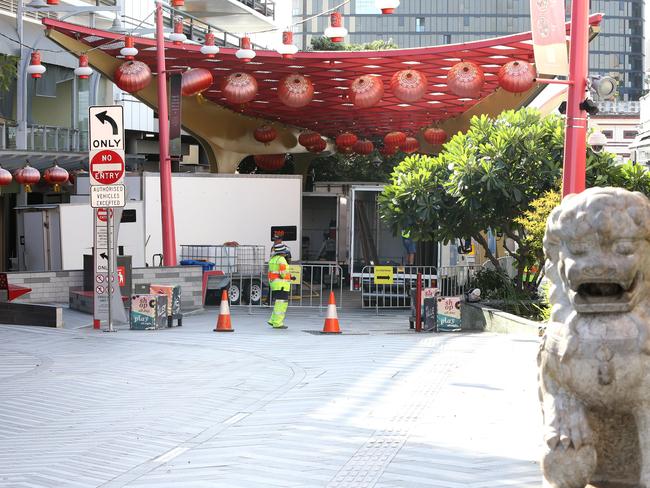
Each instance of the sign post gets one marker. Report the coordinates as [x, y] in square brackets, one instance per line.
[107, 190]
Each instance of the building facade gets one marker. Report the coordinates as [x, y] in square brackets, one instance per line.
[617, 51]
[45, 120]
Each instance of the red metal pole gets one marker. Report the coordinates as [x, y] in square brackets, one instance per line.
[166, 204]
[575, 145]
[418, 306]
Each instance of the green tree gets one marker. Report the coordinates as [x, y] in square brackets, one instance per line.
[533, 223]
[488, 177]
[354, 167]
[8, 70]
[323, 43]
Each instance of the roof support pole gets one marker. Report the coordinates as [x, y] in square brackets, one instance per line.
[575, 144]
[166, 203]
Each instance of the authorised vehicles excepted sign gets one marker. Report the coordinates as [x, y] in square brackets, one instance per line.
[107, 196]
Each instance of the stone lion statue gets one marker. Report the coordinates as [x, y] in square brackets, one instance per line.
[594, 376]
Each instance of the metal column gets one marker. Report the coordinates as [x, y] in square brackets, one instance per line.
[575, 144]
[166, 204]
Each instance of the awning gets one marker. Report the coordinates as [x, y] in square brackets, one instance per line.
[330, 111]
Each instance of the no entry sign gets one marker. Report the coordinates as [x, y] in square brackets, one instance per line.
[102, 214]
[107, 167]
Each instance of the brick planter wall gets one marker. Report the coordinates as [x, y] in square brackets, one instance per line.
[53, 286]
[476, 316]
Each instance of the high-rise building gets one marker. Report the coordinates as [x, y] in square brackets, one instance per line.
[618, 50]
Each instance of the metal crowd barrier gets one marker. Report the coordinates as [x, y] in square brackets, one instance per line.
[310, 288]
[390, 286]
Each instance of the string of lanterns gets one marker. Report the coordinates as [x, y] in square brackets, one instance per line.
[465, 79]
[28, 176]
[336, 32]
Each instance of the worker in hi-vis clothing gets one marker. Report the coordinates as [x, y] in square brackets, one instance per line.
[280, 283]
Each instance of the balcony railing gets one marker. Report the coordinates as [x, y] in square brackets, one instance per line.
[195, 29]
[616, 107]
[12, 5]
[44, 138]
[265, 7]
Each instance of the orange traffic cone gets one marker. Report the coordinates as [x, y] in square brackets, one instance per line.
[332, 320]
[223, 322]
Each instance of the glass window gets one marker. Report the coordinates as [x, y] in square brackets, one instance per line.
[366, 7]
[629, 134]
[419, 24]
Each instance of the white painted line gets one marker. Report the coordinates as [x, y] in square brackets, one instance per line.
[169, 455]
[107, 167]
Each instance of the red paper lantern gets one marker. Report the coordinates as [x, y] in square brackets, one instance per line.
[517, 76]
[52, 2]
[27, 176]
[265, 134]
[410, 145]
[35, 68]
[5, 177]
[56, 176]
[270, 162]
[132, 76]
[129, 51]
[245, 53]
[366, 91]
[295, 90]
[195, 81]
[346, 140]
[363, 147]
[318, 146]
[309, 139]
[178, 37]
[345, 149]
[239, 88]
[408, 85]
[287, 49]
[336, 32]
[83, 71]
[209, 49]
[465, 79]
[178, 3]
[394, 139]
[387, 6]
[435, 135]
[388, 150]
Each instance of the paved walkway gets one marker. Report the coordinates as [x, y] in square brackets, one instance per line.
[185, 407]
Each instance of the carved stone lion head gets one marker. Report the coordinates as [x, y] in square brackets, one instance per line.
[597, 246]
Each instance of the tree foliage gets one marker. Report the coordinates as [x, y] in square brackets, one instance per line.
[8, 70]
[354, 167]
[489, 177]
[533, 223]
[323, 43]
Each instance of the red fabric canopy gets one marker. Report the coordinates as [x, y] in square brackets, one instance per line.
[331, 112]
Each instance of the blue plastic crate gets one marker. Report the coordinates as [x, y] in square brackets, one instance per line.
[206, 265]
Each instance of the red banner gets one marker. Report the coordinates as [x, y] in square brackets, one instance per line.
[547, 18]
